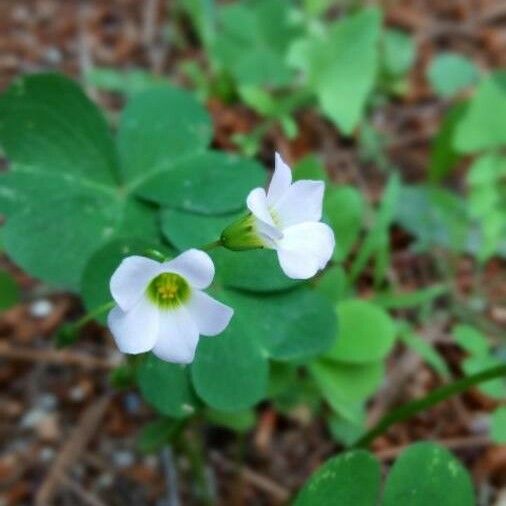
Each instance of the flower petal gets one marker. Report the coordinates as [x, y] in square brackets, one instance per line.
[131, 278]
[178, 336]
[257, 204]
[305, 249]
[194, 265]
[280, 182]
[135, 331]
[302, 202]
[210, 315]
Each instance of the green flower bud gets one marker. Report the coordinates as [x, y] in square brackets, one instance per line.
[242, 235]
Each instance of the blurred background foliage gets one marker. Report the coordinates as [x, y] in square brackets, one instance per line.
[401, 110]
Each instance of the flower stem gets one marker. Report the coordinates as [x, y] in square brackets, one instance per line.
[69, 332]
[211, 245]
[440, 394]
[99, 310]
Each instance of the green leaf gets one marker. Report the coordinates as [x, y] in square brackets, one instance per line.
[341, 66]
[495, 388]
[230, 371]
[350, 479]
[48, 125]
[159, 128]
[156, 434]
[208, 183]
[191, 230]
[128, 82]
[443, 156]
[344, 207]
[435, 216]
[498, 425]
[202, 15]
[63, 185]
[426, 473]
[296, 324]
[254, 270]
[167, 387]
[366, 333]
[473, 341]
[99, 269]
[487, 201]
[342, 383]
[251, 42]
[427, 351]
[405, 300]
[9, 291]
[240, 421]
[484, 124]
[377, 240]
[398, 52]
[450, 73]
[310, 167]
[345, 431]
[333, 284]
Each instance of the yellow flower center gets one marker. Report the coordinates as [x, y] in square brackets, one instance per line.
[168, 290]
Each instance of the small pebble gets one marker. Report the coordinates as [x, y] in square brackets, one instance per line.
[46, 454]
[123, 458]
[105, 480]
[47, 402]
[32, 418]
[41, 308]
[132, 402]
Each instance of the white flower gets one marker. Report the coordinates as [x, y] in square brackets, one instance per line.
[287, 219]
[161, 306]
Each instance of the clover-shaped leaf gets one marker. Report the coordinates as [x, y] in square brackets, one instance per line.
[230, 370]
[341, 65]
[251, 42]
[70, 190]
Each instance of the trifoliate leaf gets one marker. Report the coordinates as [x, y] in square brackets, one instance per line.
[63, 184]
[341, 66]
[251, 42]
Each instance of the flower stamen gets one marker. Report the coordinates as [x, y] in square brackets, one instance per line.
[168, 290]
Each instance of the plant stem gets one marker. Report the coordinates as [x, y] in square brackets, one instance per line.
[440, 394]
[211, 245]
[94, 313]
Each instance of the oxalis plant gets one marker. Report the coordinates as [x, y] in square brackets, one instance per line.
[167, 240]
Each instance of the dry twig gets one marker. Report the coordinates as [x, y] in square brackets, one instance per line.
[71, 450]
